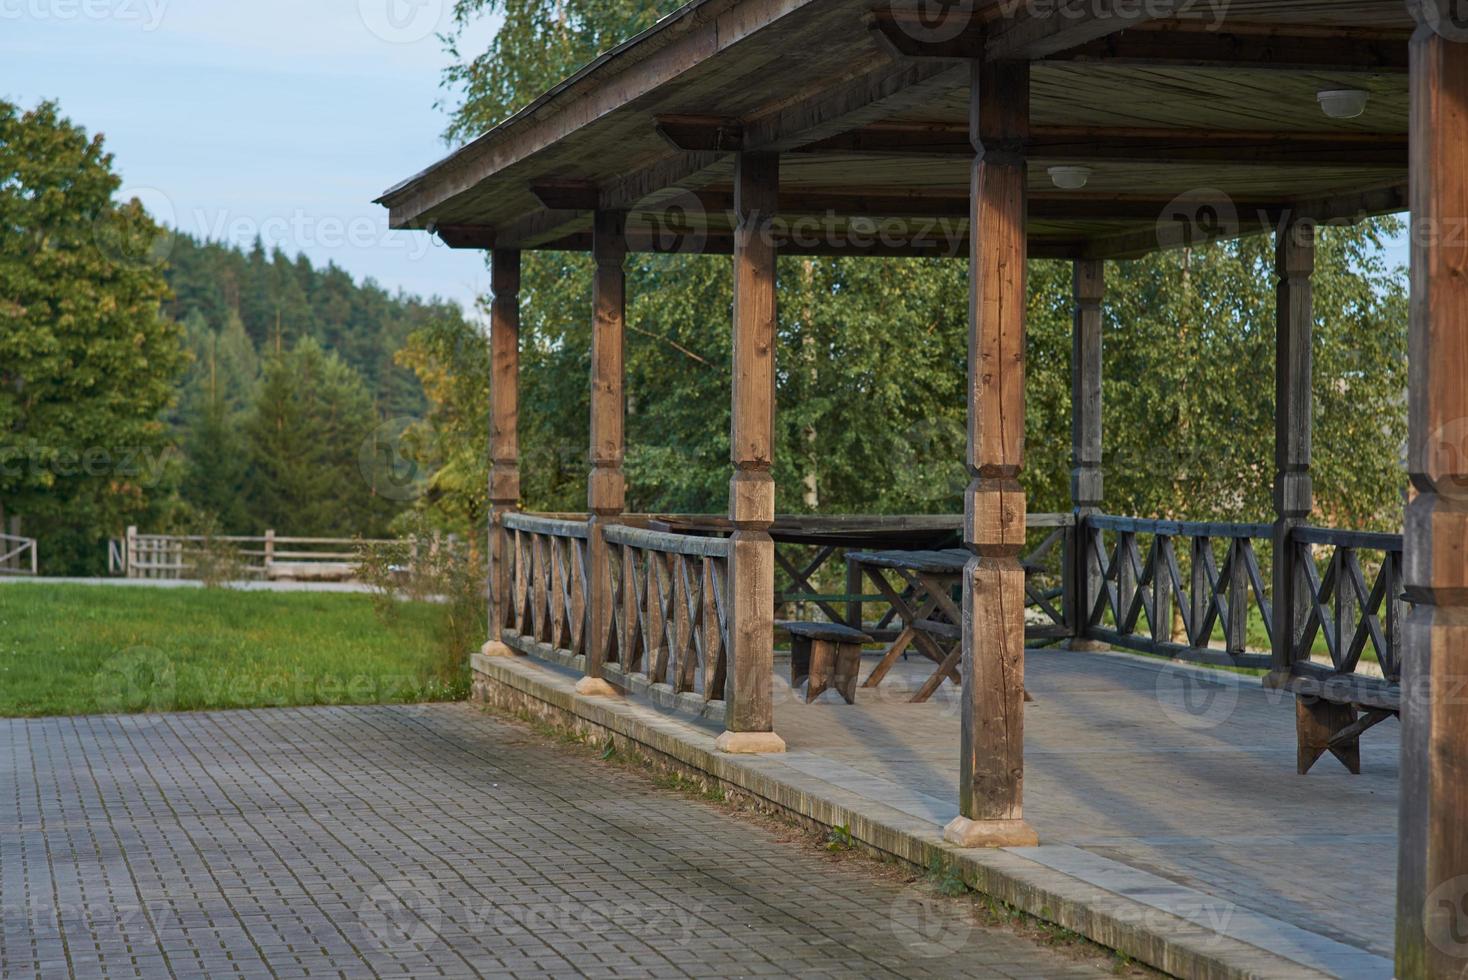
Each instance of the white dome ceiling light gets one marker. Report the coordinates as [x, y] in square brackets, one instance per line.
[1070, 178]
[1342, 103]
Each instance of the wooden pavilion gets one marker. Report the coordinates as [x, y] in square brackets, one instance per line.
[1084, 130]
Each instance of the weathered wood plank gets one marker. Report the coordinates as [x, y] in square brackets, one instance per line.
[606, 486]
[749, 719]
[504, 438]
[991, 769]
[1433, 850]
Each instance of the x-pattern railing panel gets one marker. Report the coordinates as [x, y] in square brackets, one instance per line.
[548, 581]
[669, 619]
[1351, 607]
[1145, 589]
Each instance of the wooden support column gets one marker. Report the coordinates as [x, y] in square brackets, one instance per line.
[1085, 444]
[1432, 866]
[1316, 721]
[606, 488]
[991, 771]
[504, 437]
[749, 715]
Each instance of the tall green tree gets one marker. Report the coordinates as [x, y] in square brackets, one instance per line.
[87, 361]
[538, 43]
[305, 437]
[217, 392]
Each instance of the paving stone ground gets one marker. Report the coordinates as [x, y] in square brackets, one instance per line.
[425, 841]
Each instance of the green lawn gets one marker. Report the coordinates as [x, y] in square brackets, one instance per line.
[78, 649]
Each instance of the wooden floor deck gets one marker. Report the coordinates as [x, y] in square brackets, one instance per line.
[1134, 765]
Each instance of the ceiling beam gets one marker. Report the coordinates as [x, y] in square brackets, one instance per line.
[655, 183]
[1338, 209]
[1043, 205]
[465, 236]
[1135, 145]
[1162, 44]
[722, 243]
[710, 134]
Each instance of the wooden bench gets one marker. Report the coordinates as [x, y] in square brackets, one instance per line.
[826, 653]
[1333, 710]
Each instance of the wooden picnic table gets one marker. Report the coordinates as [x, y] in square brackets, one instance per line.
[924, 598]
[806, 543]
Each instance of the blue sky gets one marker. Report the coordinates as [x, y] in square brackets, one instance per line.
[278, 117]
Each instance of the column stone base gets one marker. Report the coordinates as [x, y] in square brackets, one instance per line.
[494, 648]
[1087, 646]
[963, 832]
[749, 743]
[596, 687]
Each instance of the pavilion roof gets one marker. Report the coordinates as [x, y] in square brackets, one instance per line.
[1177, 117]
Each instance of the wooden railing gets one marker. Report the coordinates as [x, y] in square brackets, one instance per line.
[1155, 576]
[18, 556]
[547, 609]
[1049, 565]
[1349, 596]
[669, 623]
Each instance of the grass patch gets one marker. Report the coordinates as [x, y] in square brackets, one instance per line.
[78, 649]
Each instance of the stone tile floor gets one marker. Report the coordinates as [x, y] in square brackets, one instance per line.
[1189, 776]
[423, 841]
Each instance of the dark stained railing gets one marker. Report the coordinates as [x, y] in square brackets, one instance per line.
[1350, 597]
[1189, 590]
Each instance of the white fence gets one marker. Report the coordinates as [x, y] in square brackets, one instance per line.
[270, 556]
[18, 556]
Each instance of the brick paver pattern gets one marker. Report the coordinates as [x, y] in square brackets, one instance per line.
[426, 841]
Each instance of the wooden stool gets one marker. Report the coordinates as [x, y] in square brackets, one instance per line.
[825, 652]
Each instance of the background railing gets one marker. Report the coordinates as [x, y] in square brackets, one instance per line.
[1203, 592]
[1049, 564]
[18, 555]
[669, 613]
[547, 609]
[269, 556]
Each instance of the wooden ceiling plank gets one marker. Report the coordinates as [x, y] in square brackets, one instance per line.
[1034, 31]
[1236, 48]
